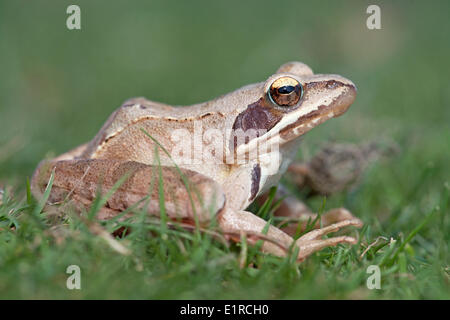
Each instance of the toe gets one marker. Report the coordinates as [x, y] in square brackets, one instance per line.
[318, 233]
[310, 246]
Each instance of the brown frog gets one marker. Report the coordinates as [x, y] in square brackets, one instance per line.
[214, 158]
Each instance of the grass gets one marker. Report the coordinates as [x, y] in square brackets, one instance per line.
[173, 263]
[58, 87]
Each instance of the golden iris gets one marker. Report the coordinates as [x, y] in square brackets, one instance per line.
[285, 91]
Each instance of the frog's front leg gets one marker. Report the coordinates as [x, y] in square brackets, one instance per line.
[234, 221]
[334, 168]
[276, 241]
[299, 216]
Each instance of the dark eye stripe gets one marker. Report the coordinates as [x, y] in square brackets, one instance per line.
[285, 89]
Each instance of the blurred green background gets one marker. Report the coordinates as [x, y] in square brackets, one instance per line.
[58, 86]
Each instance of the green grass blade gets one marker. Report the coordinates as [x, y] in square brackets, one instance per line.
[100, 201]
[184, 180]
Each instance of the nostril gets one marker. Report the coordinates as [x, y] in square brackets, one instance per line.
[331, 84]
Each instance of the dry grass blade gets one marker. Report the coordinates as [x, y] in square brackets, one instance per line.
[377, 240]
[105, 235]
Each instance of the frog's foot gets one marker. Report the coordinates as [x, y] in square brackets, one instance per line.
[312, 241]
[235, 224]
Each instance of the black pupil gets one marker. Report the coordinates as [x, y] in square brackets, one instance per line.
[285, 89]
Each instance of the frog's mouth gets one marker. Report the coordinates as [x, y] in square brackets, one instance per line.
[322, 100]
[324, 97]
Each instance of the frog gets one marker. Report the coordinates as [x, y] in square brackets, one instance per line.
[209, 161]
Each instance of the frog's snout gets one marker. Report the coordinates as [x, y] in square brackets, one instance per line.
[343, 93]
[346, 98]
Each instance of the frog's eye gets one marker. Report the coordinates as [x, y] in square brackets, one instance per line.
[285, 91]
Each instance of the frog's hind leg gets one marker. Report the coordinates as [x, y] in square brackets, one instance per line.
[81, 180]
[336, 167]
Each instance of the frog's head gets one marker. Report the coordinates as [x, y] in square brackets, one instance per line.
[293, 101]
